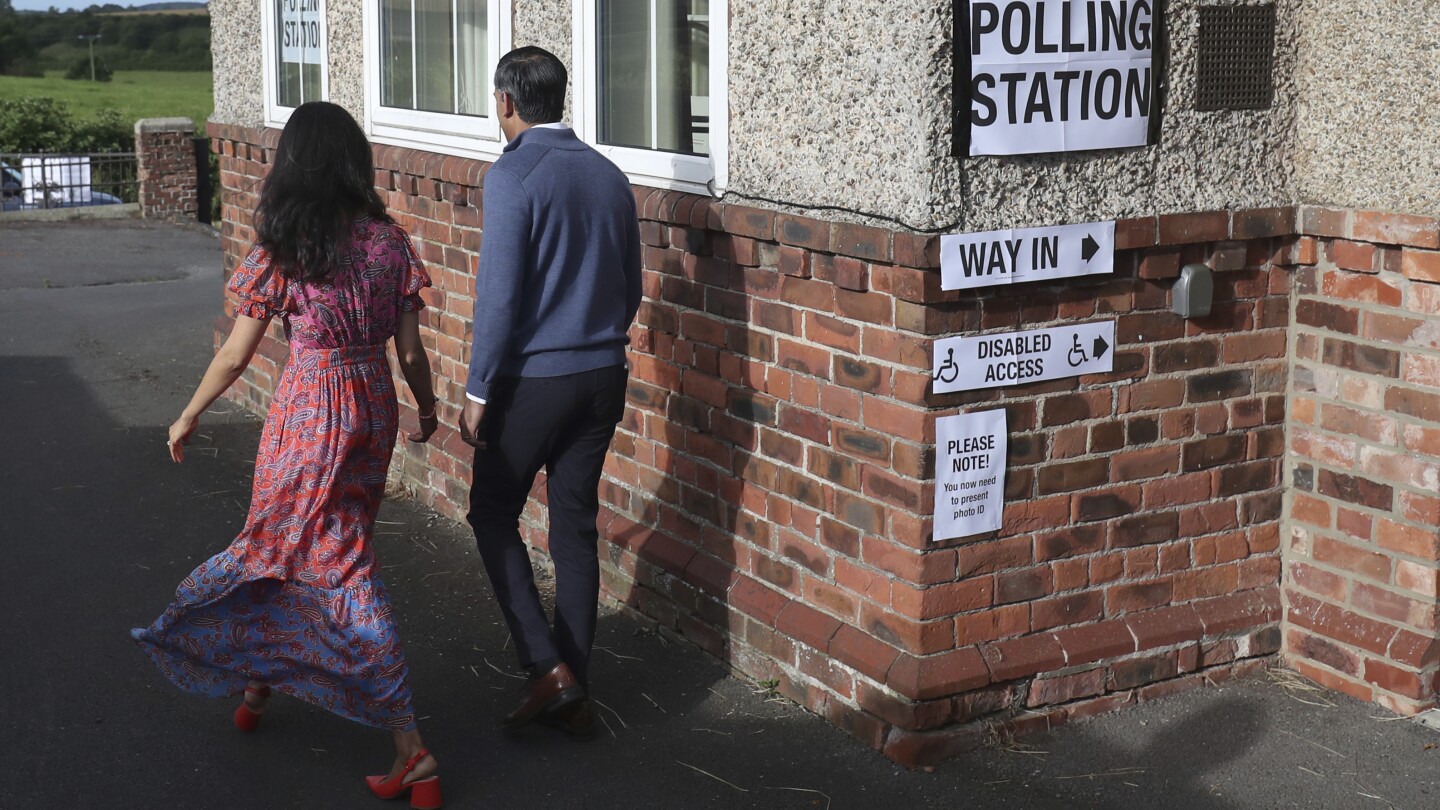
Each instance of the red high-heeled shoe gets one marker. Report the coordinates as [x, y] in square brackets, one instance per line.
[424, 793]
[246, 718]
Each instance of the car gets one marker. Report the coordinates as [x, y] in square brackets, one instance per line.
[13, 188]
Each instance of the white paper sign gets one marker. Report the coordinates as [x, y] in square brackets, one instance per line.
[971, 260]
[1060, 75]
[300, 31]
[1017, 358]
[56, 181]
[969, 473]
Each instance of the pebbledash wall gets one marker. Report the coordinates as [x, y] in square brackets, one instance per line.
[1259, 481]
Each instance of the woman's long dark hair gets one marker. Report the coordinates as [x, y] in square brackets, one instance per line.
[322, 179]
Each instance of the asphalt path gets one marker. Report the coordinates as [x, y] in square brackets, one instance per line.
[104, 330]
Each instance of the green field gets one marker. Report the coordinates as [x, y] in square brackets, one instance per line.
[136, 94]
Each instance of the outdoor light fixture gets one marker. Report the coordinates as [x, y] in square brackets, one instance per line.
[1192, 294]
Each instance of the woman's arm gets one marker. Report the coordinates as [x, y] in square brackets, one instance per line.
[229, 363]
[415, 365]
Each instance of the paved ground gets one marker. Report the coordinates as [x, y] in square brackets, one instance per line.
[96, 529]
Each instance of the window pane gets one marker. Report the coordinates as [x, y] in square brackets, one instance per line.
[473, 52]
[623, 80]
[298, 29]
[654, 74]
[396, 82]
[434, 55]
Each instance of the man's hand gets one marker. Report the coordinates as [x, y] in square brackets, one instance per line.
[471, 419]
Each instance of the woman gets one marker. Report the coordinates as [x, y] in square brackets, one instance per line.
[295, 604]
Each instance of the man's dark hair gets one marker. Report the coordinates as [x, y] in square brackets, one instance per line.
[535, 79]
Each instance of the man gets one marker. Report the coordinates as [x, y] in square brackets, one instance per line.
[557, 290]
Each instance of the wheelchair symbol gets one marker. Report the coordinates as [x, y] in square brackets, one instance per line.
[949, 372]
[1077, 354]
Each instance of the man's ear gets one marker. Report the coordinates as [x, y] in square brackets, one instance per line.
[506, 106]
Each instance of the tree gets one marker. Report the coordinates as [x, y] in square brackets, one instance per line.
[14, 47]
[46, 125]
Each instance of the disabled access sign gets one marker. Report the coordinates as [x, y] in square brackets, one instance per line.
[1016, 358]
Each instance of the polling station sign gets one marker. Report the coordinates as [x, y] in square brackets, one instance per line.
[1016, 358]
[1059, 75]
[969, 473]
[300, 22]
[971, 260]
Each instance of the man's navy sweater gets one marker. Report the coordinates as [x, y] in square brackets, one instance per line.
[559, 277]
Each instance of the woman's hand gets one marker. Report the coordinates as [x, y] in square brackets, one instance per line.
[180, 434]
[428, 423]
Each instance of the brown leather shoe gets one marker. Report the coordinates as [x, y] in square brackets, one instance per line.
[577, 719]
[551, 692]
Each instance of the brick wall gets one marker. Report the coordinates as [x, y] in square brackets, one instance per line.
[769, 492]
[1364, 540]
[165, 168]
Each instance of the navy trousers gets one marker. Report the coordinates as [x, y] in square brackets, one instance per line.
[563, 424]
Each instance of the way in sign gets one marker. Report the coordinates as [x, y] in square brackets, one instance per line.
[1033, 254]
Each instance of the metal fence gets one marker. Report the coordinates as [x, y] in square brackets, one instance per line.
[40, 181]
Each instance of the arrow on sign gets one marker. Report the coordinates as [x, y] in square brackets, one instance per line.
[1100, 347]
[1089, 248]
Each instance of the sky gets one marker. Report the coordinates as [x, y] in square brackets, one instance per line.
[63, 5]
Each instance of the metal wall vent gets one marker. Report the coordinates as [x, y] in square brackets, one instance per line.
[1236, 65]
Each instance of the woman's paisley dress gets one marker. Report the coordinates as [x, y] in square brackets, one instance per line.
[296, 600]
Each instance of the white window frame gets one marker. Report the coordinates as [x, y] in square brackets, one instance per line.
[648, 167]
[465, 136]
[277, 115]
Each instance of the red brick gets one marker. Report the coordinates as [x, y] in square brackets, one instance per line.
[1393, 606]
[1180, 229]
[1138, 464]
[938, 676]
[1413, 650]
[807, 625]
[802, 232]
[1158, 264]
[1138, 596]
[1420, 686]
[1397, 229]
[1361, 288]
[1023, 657]
[1331, 680]
[1067, 609]
[1096, 642]
[917, 637]
[915, 250]
[1415, 541]
[899, 420]
[1420, 265]
[1265, 223]
[1077, 540]
[1066, 688]
[944, 599]
[860, 241]
[864, 653]
[1141, 671]
[1165, 626]
[1056, 478]
[1036, 515]
[1354, 489]
[1329, 222]
[752, 222]
[992, 625]
[1022, 586]
[1358, 256]
[1339, 623]
[1323, 651]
